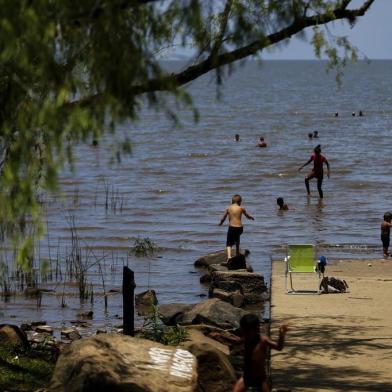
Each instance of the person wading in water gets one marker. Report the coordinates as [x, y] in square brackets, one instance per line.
[318, 170]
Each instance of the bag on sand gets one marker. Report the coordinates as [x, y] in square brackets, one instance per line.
[333, 285]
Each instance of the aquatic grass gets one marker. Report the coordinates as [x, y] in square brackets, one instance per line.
[154, 329]
[144, 247]
[23, 372]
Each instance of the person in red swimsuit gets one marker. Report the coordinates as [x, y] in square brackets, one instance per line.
[318, 170]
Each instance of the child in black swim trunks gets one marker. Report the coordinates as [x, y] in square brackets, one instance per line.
[234, 212]
[386, 232]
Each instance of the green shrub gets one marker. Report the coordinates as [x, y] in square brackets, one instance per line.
[144, 247]
[154, 329]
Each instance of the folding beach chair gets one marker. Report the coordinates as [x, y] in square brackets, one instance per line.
[301, 259]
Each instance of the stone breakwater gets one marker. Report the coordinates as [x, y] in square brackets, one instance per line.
[208, 360]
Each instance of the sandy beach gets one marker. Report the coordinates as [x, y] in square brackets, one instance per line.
[337, 342]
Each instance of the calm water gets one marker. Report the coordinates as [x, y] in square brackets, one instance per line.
[178, 181]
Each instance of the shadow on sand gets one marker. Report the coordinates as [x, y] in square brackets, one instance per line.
[306, 360]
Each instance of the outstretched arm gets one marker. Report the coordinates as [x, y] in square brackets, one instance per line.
[247, 215]
[224, 217]
[280, 343]
[305, 164]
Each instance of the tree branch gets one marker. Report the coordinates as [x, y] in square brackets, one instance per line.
[194, 71]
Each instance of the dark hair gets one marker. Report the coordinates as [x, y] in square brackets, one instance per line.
[236, 199]
[388, 216]
[317, 149]
[249, 321]
[310, 135]
[261, 138]
[279, 201]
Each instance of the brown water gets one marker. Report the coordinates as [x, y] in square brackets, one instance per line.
[177, 182]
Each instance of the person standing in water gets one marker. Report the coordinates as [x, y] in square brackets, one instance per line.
[386, 233]
[234, 212]
[318, 170]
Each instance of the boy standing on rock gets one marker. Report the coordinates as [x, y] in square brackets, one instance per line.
[254, 377]
[234, 212]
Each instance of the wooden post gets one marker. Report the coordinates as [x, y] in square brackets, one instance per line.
[128, 301]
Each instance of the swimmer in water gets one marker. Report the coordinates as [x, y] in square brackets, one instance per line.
[237, 138]
[282, 205]
[318, 170]
[262, 143]
[315, 135]
[310, 136]
[336, 114]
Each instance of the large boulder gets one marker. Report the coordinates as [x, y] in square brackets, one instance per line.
[215, 258]
[13, 338]
[172, 314]
[215, 372]
[232, 297]
[252, 284]
[110, 362]
[214, 312]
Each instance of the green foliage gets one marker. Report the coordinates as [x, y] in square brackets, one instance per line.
[71, 70]
[23, 372]
[144, 247]
[154, 329]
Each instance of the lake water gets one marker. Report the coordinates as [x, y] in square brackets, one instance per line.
[177, 182]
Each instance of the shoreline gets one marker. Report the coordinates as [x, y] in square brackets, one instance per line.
[337, 341]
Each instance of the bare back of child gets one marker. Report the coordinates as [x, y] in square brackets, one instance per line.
[234, 213]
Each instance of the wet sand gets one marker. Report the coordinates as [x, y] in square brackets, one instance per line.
[337, 342]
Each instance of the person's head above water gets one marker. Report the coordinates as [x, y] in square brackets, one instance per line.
[310, 135]
[317, 149]
[388, 216]
[261, 138]
[237, 137]
[280, 201]
[236, 199]
[250, 326]
[315, 134]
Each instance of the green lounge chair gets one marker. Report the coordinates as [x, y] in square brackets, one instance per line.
[301, 259]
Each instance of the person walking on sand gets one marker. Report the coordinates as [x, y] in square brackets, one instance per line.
[318, 170]
[256, 350]
[234, 212]
[386, 232]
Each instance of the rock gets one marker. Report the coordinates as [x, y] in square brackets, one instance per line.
[215, 372]
[215, 258]
[252, 284]
[86, 315]
[214, 312]
[109, 362]
[172, 314]
[235, 298]
[71, 334]
[44, 329]
[13, 338]
[26, 327]
[146, 298]
[217, 267]
[32, 292]
[236, 263]
[36, 323]
[99, 331]
[226, 285]
[205, 279]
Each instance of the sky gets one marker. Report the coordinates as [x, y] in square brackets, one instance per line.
[371, 35]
